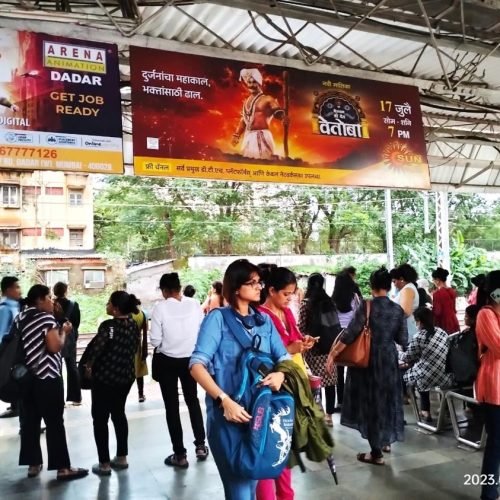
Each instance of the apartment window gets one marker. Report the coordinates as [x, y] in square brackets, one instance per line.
[9, 195]
[32, 231]
[54, 191]
[94, 278]
[9, 239]
[75, 198]
[76, 238]
[52, 276]
[30, 193]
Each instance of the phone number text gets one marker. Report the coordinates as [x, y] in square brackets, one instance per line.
[28, 152]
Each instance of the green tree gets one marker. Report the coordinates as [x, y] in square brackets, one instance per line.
[298, 212]
[128, 216]
[350, 215]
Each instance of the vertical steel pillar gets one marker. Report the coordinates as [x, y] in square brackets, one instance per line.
[442, 230]
[427, 228]
[388, 229]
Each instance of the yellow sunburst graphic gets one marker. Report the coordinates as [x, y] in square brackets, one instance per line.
[398, 155]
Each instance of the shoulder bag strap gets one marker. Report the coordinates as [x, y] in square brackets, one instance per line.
[368, 310]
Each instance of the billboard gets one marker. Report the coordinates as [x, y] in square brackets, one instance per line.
[60, 106]
[204, 117]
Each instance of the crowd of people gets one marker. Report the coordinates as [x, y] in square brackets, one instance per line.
[411, 329]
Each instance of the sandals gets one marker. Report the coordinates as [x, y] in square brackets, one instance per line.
[142, 398]
[34, 470]
[426, 416]
[367, 458]
[201, 452]
[328, 420]
[179, 461]
[386, 449]
[73, 473]
[117, 465]
[99, 470]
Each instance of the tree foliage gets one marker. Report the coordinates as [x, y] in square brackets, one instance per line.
[190, 217]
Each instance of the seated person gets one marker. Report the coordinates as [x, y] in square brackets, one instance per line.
[463, 362]
[426, 359]
[467, 337]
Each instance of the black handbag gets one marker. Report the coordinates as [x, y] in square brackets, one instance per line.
[15, 376]
[326, 326]
[85, 381]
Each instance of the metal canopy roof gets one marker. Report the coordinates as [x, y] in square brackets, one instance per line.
[450, 49]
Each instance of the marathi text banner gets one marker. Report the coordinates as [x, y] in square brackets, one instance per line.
[197, 116]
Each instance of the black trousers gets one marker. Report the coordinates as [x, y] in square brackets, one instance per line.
[340, 385]
[491, 458]
[425, 400]
[330, 399]
[45, 399]
[171, 370]
[110, 400]
[73, 390]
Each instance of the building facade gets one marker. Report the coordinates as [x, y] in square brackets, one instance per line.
[46, 224]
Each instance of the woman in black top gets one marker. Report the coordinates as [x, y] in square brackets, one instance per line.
[110, 366]
[42, 340]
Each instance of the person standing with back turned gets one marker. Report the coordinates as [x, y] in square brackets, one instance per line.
[70, 311]
[175, 322]
[444, 303]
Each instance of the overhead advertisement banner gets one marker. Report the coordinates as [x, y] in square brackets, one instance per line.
[60, 106]
[203, 117]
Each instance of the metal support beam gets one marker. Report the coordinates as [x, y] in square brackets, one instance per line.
[443, 231]
[109, 35]
[326, 16]
[388, 229]
[427, 227]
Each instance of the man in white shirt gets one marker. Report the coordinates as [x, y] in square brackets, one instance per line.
[175, 323]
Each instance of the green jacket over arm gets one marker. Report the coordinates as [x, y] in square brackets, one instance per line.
[310, 434]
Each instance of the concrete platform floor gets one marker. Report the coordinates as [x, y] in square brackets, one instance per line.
[424, 467]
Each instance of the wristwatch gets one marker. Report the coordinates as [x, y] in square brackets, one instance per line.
[221, 397]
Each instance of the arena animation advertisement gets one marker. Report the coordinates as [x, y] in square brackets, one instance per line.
[60, 104]
[203, 117]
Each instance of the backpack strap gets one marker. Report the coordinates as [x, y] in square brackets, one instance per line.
[236, 328]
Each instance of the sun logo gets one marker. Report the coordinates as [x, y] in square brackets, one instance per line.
[398, 155]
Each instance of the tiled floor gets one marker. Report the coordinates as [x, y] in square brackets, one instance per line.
[424, 467]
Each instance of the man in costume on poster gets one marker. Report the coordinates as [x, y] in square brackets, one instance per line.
[257, 113]
[4, 101]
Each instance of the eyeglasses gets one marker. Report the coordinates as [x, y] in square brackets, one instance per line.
[255, 284]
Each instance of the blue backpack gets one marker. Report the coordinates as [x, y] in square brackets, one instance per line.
[259, 449]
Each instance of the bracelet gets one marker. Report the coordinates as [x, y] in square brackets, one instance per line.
[220, 398]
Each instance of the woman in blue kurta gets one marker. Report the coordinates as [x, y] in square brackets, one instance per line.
[214, 365]
[373, 396]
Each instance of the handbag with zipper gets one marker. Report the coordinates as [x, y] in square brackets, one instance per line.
[357, 354]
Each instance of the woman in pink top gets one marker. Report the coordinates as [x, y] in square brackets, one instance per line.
[280, 286]
[488, 384]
